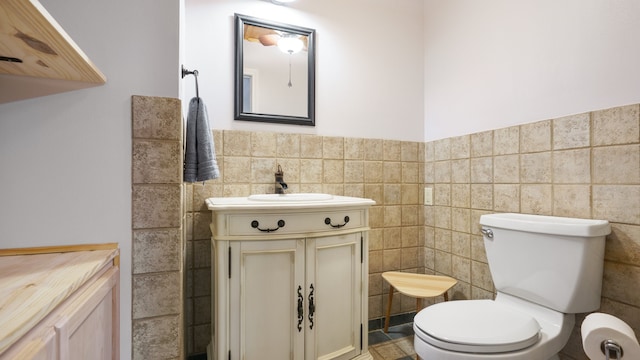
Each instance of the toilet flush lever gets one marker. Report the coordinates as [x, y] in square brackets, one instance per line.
[487, 232]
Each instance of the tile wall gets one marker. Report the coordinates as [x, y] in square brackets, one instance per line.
[157, 284]
[586, 166]
[389, 172]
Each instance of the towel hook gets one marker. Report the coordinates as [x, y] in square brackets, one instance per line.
[186, 72]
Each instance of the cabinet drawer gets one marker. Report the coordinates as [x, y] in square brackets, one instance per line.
[293, 224]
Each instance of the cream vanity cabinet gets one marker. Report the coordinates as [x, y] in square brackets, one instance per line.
[289, 278]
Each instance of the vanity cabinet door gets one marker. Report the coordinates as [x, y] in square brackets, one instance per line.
[334, 297]
[266, 288]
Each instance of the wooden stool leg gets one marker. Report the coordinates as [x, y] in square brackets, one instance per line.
[386, 320]
[418, 305]
[446, 296]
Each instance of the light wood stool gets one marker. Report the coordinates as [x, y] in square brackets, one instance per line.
[418, 286]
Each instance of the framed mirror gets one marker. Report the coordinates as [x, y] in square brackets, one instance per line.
[274, 72]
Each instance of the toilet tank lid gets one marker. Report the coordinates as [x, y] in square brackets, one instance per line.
[547, 224]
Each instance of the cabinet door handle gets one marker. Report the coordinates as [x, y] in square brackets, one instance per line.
[255, 224]
[328, 222]
[312, 307]
[300, 308]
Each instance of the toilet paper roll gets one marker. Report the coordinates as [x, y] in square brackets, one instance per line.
[599, 327]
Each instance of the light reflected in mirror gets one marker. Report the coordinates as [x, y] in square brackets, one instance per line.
[275, 72]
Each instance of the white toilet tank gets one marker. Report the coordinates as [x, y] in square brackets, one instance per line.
[553, 261]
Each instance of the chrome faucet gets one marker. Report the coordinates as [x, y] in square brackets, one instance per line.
[281, 186]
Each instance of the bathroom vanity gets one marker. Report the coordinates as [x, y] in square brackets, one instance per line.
[289, 277]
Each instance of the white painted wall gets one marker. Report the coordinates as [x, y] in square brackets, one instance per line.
[369, 64]
[65, 160]
[496, 63]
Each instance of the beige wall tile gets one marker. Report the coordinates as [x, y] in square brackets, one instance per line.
[572, 132]
[374, 192]
[287, 145]
[353, 149]
[291, 169]
[429, 173]
[263, 144]
[263, 170]
[617, 203]
[478, 252]
[156, 118]
[429, 151]
[572, 166]
[409, 151]
[506, 197]
[154, 162]
[482, 196]
[572, 201]
[623, 244]
[442, 149]
[410, 172]
[392, 238]
[392, 172]
[353, 171]
[373, 171]
[461, 147]
[236, 170]
[310, 147]
[355, 190]
[535, 137]
[310, 171]
[156, 206]
[332, 147]
[410, 194]
[156, 250]
[506, 141]
[616, 164]
[620, 125]
[442, 194]
[621, 282]
[460, 171]
[392, 150]
[442, 217]
[461, 268]
[373, 149]
[232, 190]
[155, 295]
[156, 338]
[461, 244]
[536, 199]
[460, 219]
[535, 168]
[336, 189]
[443, 262]
[237, 143]
[506, 169]
[392, 194]
[410, 258]
[481, 275]
[392, 216]
[410, 236]
[481, 170]
[442, 172]
[461, 195]
[482, 144]
[391, 259]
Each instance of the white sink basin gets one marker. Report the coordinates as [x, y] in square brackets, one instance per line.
[301, 197]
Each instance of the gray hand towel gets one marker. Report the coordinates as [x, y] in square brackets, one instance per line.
[199, 158]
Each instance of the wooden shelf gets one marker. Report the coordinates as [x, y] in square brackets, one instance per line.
[45, 58]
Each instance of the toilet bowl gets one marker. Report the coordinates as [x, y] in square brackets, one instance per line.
[505, 328]
[545, 270]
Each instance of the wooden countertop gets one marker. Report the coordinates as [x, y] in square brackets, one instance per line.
[32, 285]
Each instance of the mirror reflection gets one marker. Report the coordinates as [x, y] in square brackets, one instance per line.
[274, 72]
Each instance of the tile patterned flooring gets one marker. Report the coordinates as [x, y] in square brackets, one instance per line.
[397, 344]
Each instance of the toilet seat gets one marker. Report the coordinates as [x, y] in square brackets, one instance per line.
[476, 326]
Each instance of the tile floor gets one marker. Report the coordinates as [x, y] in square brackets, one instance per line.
[397, 344]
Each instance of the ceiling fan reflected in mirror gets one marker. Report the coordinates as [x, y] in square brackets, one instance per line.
[286, 42]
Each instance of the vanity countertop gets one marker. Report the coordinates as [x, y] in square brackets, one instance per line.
[286, 201]
[33, 285]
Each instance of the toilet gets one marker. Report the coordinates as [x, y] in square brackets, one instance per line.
[545, 270]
